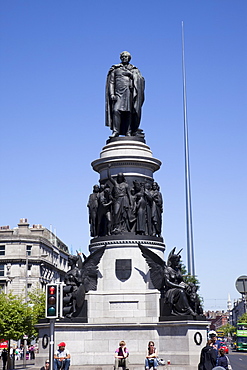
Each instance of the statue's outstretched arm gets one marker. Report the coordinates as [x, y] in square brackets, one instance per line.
[110, 177]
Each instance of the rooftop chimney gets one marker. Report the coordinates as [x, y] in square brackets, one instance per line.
[23, 224]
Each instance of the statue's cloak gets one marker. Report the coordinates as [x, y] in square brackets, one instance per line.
[138, 97]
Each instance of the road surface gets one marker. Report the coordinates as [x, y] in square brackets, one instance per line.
[238, 360]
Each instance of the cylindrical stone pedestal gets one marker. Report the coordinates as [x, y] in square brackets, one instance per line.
[125, 292]
[128, 155]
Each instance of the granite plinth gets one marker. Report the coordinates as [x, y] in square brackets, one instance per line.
[95, 344]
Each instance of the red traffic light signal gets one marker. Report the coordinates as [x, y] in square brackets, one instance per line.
[52, 301]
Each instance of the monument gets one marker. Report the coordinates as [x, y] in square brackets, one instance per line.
[136, 296]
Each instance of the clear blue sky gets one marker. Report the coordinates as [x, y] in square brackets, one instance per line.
[54, 59]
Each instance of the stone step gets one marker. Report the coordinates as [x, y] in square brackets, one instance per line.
[110, 367]
[132, 367]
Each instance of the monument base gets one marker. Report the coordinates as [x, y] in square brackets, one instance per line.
[180, 342]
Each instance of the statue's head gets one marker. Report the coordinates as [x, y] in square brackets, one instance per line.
[138, 196]
[125, 57]
[96, 188]
[120, 177]
[72, 260]
[107, 189]
[137, 185]
[132, 191]
[155, 186]
[174, 258]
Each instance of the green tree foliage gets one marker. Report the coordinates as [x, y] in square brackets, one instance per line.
[191, 279]
[18, 318]
[37, 304]
[15, 317]
[243, 318]
[227, 329]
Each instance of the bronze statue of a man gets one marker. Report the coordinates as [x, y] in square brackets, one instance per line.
[124, 97]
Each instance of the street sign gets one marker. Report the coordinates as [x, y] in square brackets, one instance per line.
[241, 284]
[3, 343]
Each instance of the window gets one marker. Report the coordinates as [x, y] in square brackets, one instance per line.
[2, 250]
[1, 270]
[28, 250]
[29, 270]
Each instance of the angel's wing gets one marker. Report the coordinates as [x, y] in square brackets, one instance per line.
[90, 269]
[156, 266]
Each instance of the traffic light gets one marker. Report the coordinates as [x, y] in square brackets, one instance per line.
[52, 301]
[66, 300]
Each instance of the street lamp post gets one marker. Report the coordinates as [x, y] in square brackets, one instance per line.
[25, 337]
[26, 277]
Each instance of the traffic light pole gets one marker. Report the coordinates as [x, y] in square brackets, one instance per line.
[51, 349]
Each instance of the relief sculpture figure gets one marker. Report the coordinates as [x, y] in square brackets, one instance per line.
[140, 208]
[124, 97]
[121, 203]
[157, 209]
[93, 210]
[117, 208]
[149, 204]
[104, 211]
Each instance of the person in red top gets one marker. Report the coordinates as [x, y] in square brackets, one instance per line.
[122, 356]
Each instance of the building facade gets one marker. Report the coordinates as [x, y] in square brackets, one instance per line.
[239, 308]
[216, 319]
[30, 257]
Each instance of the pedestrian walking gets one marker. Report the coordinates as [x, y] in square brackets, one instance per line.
[208, 357]
[4, 357]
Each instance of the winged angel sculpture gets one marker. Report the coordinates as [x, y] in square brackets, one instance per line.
[82, 277]
[182, 298]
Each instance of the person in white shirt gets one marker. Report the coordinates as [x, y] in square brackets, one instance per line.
[61, 357]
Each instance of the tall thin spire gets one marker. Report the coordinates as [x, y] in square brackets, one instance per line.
[229, 303]
[190, 247]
